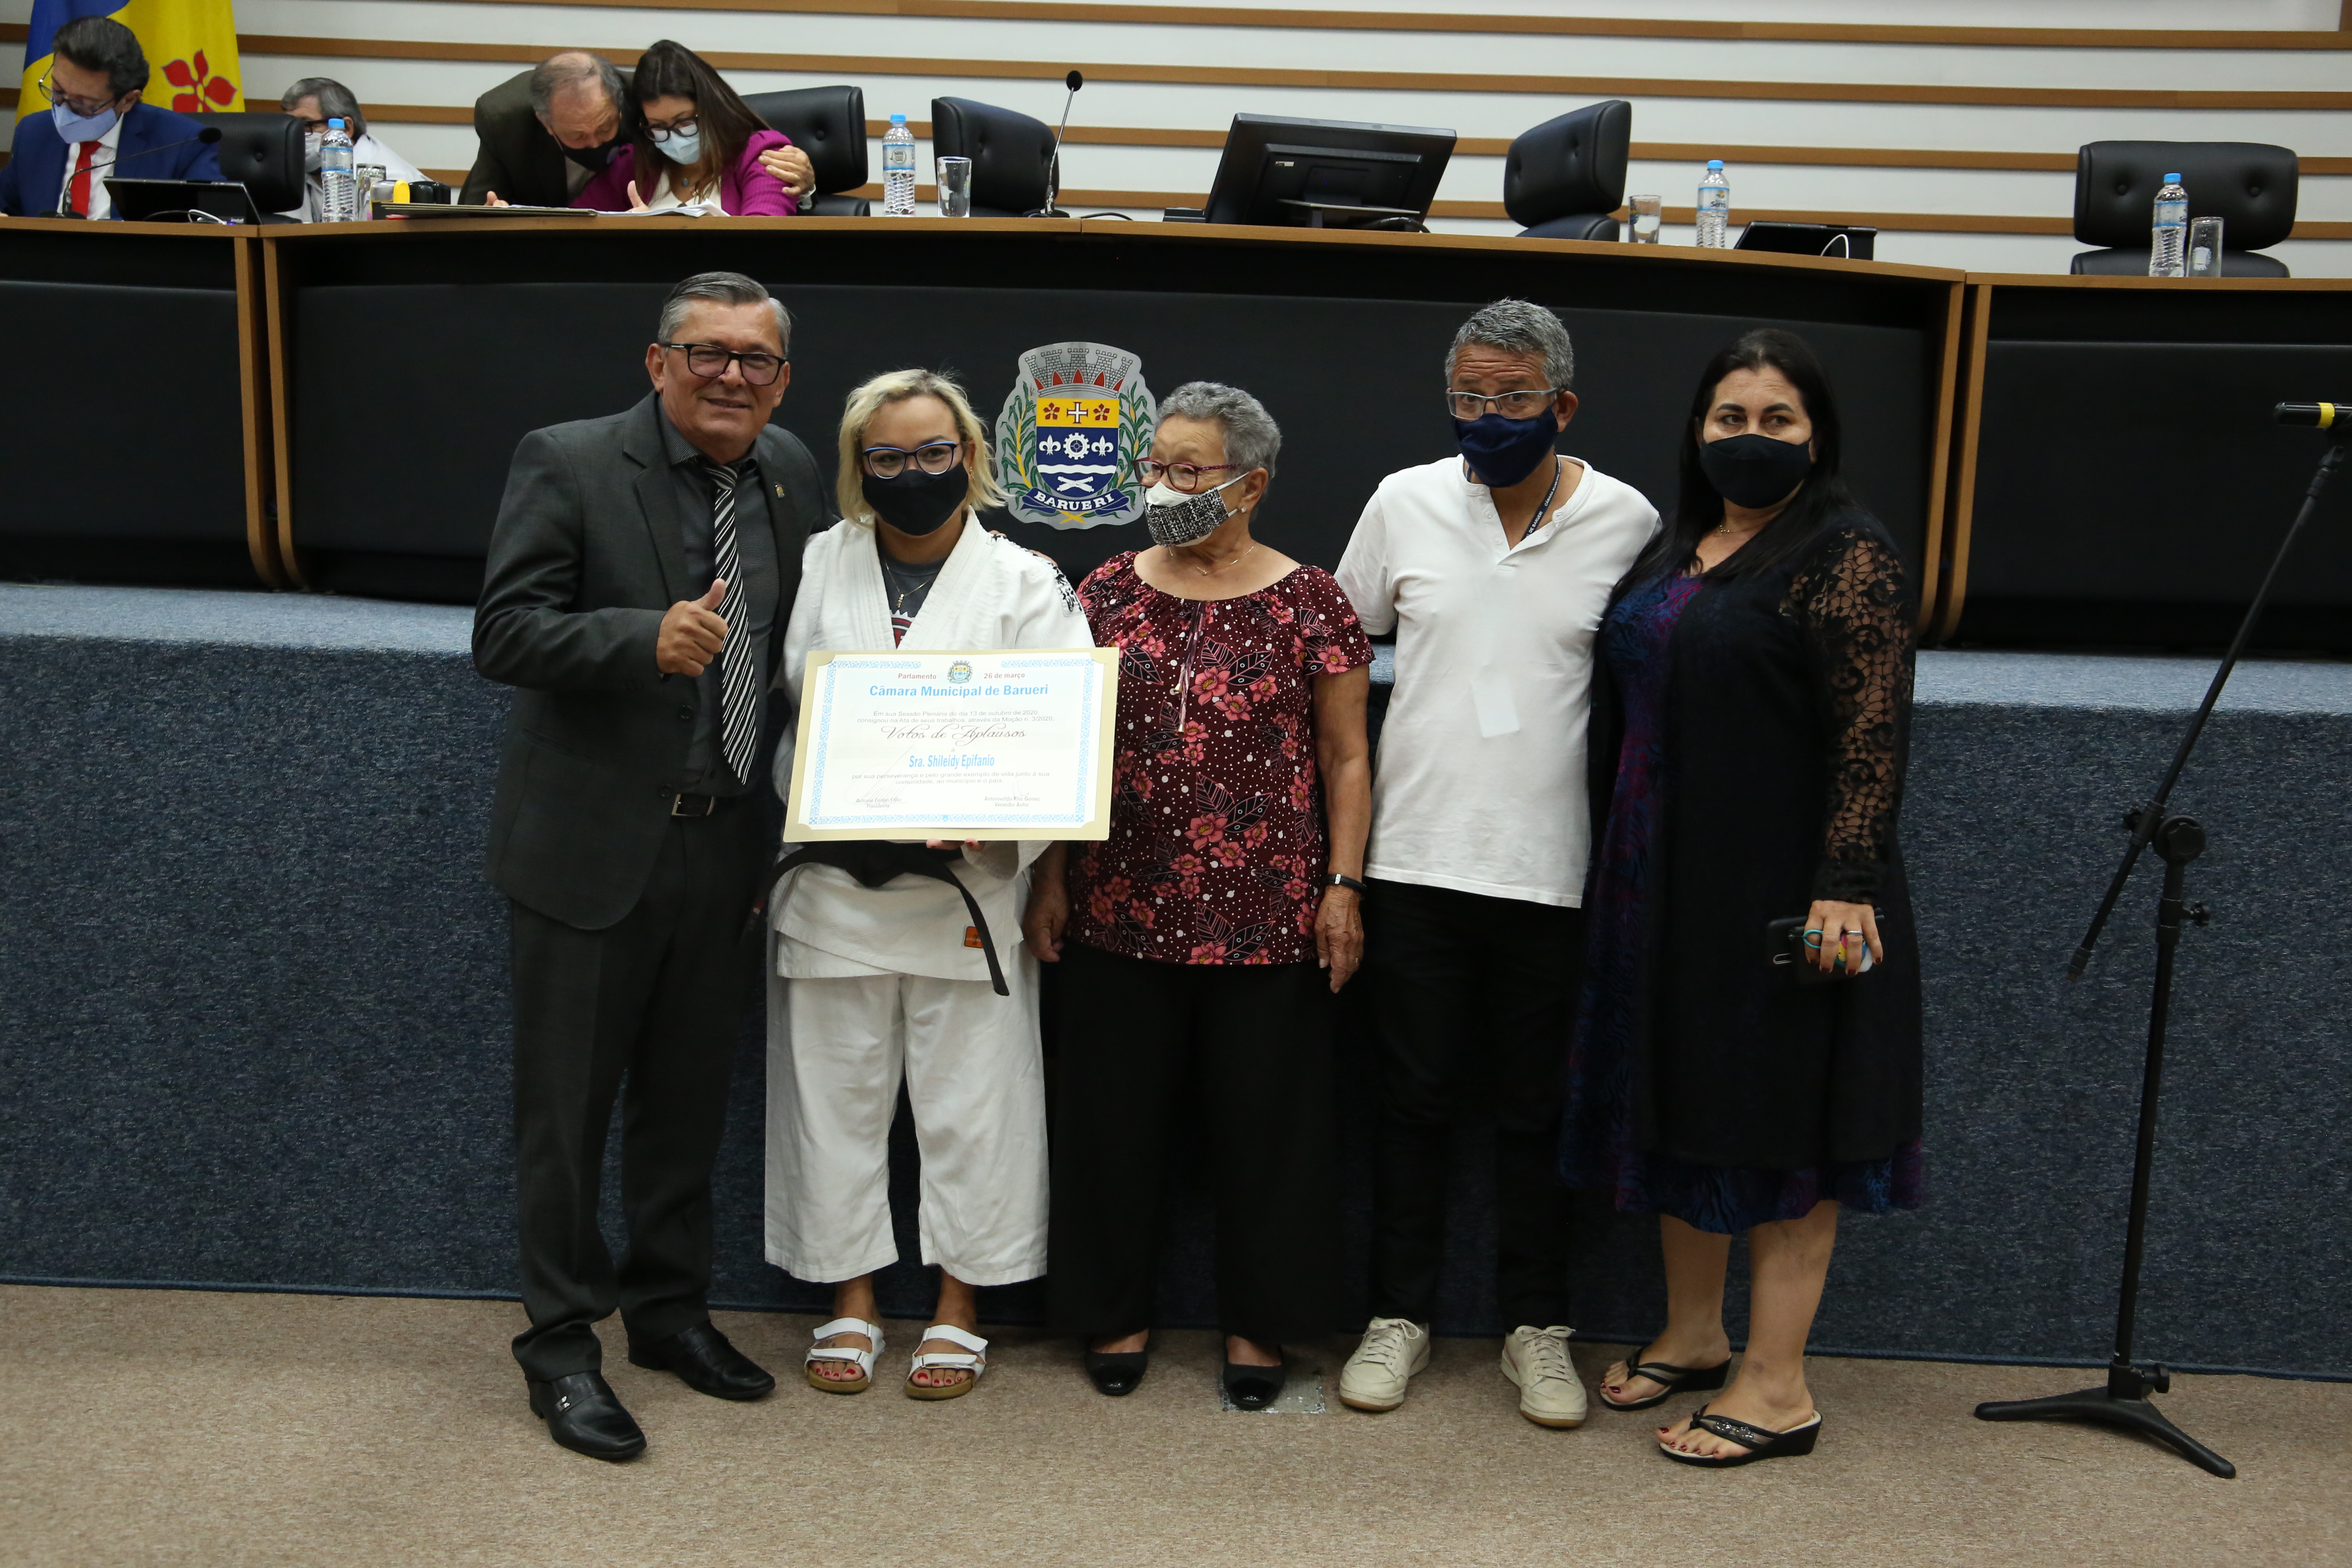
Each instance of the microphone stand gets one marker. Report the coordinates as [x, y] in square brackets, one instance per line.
[2122, 1400]
[1054, 170]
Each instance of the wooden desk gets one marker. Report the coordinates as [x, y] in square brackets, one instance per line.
[2117, 479]
[134, 429]
[410, 357]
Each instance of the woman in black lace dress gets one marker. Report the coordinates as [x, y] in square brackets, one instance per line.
[1750, 713]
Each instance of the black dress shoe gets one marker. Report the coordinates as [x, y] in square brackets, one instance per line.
[705, 1362]
[1116, 1373]
[1254, 1387]
[585, 1416]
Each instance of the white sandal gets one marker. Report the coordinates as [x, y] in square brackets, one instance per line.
[975, 1362]
[861, 1360]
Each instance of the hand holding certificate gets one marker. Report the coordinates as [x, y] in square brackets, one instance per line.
[1014, 743]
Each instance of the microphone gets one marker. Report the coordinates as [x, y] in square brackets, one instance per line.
[1054, 171]
[2326, 415]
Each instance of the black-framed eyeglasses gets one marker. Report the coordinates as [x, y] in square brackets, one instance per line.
[1185, 477]
[662, 133]
[1525, 405]
[711, 360]
[932, 457]
[85, 106]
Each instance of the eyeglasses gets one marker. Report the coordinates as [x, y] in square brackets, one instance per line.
[1510, 405]
[1185, 477]
[85, 106]
[932, 457]
[711, 360]
[661, 134]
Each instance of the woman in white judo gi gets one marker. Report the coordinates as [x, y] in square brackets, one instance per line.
[879, 975]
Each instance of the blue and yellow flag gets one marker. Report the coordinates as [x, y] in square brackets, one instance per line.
[191, 48]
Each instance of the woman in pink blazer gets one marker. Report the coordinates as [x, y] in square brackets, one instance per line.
[695, 140]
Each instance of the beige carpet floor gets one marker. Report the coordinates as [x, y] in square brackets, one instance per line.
[141, 1426]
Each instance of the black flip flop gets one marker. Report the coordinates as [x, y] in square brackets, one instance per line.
[1759, 1443]
[1677, 1380]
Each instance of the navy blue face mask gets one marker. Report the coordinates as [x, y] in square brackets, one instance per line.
[1501, 451]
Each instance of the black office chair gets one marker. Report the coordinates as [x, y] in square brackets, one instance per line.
[1012, 155]
[828, 123]
[1565, 178]
[264, 151]
[2249, 185]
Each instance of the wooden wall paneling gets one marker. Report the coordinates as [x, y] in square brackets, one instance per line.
[253, 372]
[1940, 460]
[1964, 468]
[279, 322]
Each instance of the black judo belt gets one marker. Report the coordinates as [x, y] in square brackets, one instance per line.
[873, 863]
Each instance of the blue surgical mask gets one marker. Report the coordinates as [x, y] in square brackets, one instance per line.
[1503, 451]
[73, 127]
[682, 149]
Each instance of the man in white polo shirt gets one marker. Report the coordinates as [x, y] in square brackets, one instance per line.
[1493, 567]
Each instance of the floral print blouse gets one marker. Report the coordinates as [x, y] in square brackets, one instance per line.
[1217, 846]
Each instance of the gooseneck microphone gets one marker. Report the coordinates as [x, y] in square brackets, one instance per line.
[1054, 170]
[2326, 415]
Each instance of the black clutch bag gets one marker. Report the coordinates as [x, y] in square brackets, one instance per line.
[1786, 949]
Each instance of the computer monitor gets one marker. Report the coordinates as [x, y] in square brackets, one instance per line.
[1328, 174]
[175, 201]
[1852, 241]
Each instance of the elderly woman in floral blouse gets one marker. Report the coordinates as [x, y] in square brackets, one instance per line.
[1204, 938]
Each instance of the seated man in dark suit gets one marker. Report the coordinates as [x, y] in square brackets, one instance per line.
[546, 133]
[638, 581]
[95, 125]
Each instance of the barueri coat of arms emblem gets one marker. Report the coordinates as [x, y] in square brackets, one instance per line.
[1078, 421]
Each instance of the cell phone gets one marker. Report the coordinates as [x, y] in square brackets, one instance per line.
[1785, 947]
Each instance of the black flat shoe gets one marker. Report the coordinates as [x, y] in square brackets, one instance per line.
[1758, 1443]
[1254, 1387]
[1677, 1380]
[585, 1416]
[1116, 1373]
[705, 1363]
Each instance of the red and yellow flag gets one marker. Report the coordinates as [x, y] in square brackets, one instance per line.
[191, 47]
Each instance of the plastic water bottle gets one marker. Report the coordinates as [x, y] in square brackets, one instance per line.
[1715, 208]
[2168, 242]
[898, 169]
[340, 201]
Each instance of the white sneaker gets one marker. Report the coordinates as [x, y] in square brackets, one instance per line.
[1376, 1375]
[1550, 1393]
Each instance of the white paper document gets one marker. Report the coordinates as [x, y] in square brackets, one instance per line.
[1014, 743]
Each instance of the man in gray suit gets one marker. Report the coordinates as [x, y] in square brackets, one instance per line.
[639, 579]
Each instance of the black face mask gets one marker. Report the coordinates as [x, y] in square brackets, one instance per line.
[1754, 471]
[917, 503]
[593, 159]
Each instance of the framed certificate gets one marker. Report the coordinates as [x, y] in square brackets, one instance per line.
[1014, 743]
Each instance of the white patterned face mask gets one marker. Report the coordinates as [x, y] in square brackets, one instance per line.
[1176, 519]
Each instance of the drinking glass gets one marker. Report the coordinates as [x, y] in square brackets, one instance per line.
[2205, 248]
[955, 186]
[1648, 214]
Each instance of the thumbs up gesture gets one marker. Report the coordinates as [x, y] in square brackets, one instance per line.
[691, 633]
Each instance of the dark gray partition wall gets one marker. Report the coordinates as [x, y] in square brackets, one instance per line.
[120, 431]
[2130, 485]
[456, 343]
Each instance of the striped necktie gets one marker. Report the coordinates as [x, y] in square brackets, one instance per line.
[738, 680]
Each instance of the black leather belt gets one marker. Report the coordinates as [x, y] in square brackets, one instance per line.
[693, 804]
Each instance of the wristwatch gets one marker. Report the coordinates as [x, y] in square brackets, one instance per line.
[1341, 879]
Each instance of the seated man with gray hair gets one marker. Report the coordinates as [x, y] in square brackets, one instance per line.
[314, 100]
[546, 133]
[1492, 565]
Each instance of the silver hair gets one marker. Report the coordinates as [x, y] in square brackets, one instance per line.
[573, 67]
[1251, 437]
[336, 101]
[1519, 327]
[723, 288]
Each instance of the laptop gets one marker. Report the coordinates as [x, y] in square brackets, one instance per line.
[178, 201]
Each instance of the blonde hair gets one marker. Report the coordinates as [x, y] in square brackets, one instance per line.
[897, 386]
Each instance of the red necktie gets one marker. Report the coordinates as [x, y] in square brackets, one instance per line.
[80, 188]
